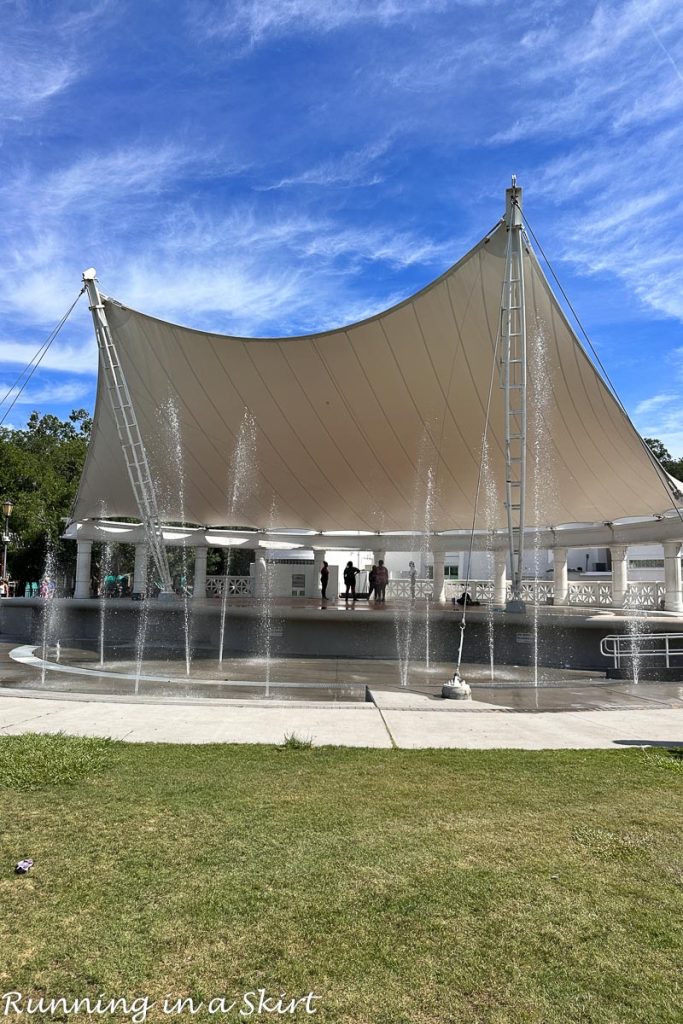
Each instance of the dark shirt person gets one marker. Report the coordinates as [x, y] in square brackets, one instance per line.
[381, 580]
[324, 577]
[350, 573]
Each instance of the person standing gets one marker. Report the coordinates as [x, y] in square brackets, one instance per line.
[324, 577]
[350, 573]
[371, 581]
[412, 571]
[381, 580]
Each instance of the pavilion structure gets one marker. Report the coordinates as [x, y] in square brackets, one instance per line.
[481, 368]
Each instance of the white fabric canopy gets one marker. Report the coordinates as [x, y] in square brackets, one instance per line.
[377, 426]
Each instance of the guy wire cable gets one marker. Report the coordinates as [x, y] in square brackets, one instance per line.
[37, 359]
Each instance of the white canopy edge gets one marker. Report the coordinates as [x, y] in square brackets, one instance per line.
[655, 530]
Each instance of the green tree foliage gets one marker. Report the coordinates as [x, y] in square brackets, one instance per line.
[40, 467]
[671, 465]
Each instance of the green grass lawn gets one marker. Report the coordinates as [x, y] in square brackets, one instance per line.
[398, 886]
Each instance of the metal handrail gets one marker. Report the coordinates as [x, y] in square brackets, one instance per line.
[628, 645]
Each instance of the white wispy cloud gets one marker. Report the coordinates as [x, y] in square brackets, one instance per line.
[248, 271]
[98, 179]
[352, 168]
[42, 55]
[624, 217]
[618, 127]
[26, 82]
[241, 267]
[667, 53]
[677, 361]
[240, 270]
[54, 394]
[608, 73]
[68, 358]
[654, 404]
[253, 21]
[662, 417]
[53, 223]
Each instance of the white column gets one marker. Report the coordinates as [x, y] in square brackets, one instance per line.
[380, 556]
[439, 588]
[83, 556]
[260, 577]
[673, 598]
[619, 554]
[140, 569]
[465, 563]
[199, 589]
[560, 576]
[500, 580]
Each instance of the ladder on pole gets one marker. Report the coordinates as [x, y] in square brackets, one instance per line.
[129, 434]
[514, 383]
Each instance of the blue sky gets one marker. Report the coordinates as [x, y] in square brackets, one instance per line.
[278, 166]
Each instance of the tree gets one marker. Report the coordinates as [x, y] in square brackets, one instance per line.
[658, 449]
[660, 452]
[40, 467]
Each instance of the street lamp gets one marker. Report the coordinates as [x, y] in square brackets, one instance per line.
[7, 507]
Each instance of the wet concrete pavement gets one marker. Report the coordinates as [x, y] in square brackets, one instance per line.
[571, 710]
[328, 679]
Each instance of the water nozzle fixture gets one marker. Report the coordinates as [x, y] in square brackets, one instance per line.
[456, 689]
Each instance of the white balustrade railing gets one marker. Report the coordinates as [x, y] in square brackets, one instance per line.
[644, 595]
[587, 593]
[595, 593]
[537, 591]
[533, 591]
[422, 588]
[479, 590]
[237, 586]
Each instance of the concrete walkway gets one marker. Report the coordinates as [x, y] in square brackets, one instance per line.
[398, 719]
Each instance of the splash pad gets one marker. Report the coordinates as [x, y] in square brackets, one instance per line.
[359, 654]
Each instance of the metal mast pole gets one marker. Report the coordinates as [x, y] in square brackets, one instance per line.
[129, 433]
[514, 380]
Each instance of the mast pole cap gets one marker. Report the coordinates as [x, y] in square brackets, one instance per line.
[90, 274]
[513, 204]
